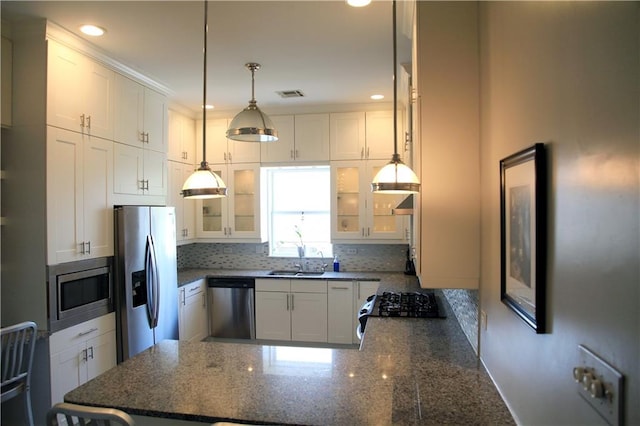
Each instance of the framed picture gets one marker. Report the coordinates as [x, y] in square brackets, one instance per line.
[523, 234]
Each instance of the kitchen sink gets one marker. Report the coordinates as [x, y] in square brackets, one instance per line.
[297, 273]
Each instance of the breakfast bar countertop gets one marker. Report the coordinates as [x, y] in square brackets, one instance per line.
[408, 371]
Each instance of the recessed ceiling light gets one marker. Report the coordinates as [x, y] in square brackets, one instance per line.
[92, 30]
[358, 3]
[377, 97]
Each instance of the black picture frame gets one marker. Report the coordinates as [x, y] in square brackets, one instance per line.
[523, 230]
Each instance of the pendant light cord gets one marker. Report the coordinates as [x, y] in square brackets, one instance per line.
[204, 88]
[395, 88]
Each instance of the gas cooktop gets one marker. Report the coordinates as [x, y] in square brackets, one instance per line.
[400, 304]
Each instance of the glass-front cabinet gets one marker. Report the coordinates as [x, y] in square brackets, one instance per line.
[357, 213]
[238, 215]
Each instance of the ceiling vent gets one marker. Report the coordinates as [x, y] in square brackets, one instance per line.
[290, 93]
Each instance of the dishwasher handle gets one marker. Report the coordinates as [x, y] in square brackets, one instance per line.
[231, 282]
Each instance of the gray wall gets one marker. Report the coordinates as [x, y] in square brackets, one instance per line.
[567, 74]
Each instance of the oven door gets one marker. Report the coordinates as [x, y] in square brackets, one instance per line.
[78, 292]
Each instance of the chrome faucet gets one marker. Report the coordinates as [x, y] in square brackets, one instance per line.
[323, 265]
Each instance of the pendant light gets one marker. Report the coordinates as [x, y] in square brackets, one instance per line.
[204, 183]
[251, 124]
[395, 177]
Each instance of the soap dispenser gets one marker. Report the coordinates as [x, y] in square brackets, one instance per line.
[336, 264]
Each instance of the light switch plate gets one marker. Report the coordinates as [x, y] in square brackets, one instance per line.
[610, 406]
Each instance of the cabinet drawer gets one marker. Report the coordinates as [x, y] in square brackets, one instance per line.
[193, 289]
[263, 284]
[78, 333]
[308, 286]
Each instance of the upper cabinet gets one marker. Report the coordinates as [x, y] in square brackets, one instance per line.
[301, 138]
[182, 138]
[80, 95]
[221, 150]
[141, 115]
[360, 215]
[361, 136]
[79, 190]
[448, 207]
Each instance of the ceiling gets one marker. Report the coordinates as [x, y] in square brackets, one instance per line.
[333, 53]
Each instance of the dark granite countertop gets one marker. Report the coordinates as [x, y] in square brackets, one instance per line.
[408, 371]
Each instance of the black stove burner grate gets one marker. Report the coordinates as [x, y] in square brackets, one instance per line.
[412, 305]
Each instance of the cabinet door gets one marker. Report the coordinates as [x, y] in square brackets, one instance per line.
[67, 371]
[193, 324]
[181, 138]
[281, 150]
[65, 87]
[379, 135]
[217, 152]
[347, 136]
[362, 290]
[64, 195]
[309, 317]
[211, 213]
[129, 111]
[382, 224]
[340, 312]
[311, 137]
[98, 100]
[244, 201]
[273, 315]
[97, 196]
[155, 172]
[185, 209]
[128, 171]
[155, 120]
[347, 217]
[101, 354]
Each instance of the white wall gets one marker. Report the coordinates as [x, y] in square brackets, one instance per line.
[565, 73]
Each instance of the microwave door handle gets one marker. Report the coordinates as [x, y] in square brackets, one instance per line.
[148, 272]
[155, 284]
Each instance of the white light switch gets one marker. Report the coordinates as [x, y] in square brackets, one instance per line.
[600, 385]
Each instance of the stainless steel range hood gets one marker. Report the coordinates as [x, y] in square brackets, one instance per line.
[405, 207]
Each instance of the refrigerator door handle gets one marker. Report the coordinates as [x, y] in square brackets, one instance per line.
[154, 283]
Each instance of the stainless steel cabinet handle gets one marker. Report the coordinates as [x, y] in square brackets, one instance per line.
[224, 156]
[339, 288]
[88, 121]
[81, 120]
[84, 333]
[367, 152]
[297, 154]
[292, 307]
[90, 350]
[230, 159]
[182, 296]
[288, 301]
[291, 155]
[362, 152]
[84, 355]
[88, 247]
[204, 300]
[141, 136]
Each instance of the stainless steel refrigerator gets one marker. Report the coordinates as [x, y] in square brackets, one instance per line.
[146, 281]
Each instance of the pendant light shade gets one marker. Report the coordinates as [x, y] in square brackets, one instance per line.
[203, 183]
[396, 177]
[251, 124]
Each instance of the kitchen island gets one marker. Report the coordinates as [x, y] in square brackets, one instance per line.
[407, 371]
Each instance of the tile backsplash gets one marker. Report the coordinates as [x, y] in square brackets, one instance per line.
[353, 257]
[464, 304]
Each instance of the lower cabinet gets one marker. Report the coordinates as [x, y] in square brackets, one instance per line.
[293, 310]
[340, 311]
[345, 299]
[80, 353]
[361, 291]
[192, 311]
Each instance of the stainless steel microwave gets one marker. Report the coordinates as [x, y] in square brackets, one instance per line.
[79, 291]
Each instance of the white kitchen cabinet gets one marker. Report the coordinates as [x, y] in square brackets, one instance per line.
[79, 196]
[80, 92]
[182, 138]
[192, 319]
[359, 214]
[185, 209]
[221, 150]
[139, 171]
[361, 136]
[361, 291]
[301, 138]
[340, 311]
[80, 353]
[237, 216]
[293, 310]
[141, 115]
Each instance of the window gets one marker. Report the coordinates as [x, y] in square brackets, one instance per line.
[299, 211]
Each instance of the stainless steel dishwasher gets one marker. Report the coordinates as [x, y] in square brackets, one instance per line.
[231, 307]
